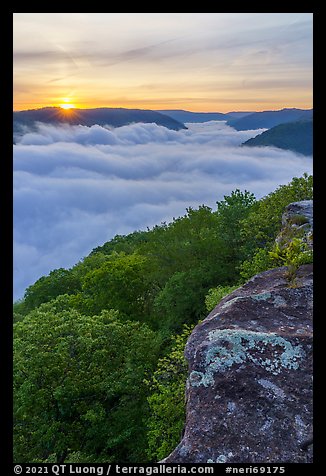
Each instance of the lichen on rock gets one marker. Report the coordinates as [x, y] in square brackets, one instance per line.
[231, 347]
[249, 390]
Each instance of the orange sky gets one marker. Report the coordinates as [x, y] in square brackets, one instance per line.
[193, 61]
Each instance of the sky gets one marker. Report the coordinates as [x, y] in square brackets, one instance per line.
[76, 187]
[195, 61]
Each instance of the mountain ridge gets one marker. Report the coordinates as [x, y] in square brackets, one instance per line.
[115, 117]
[296, 136]
[269, 119]
[183, 115]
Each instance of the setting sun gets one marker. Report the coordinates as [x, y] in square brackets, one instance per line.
[67, 106]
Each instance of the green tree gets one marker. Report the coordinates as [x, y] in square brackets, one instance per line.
[78, 385]
[183, 245]
[182, 300]
[123, 243]
[122, 283]
[89, 263]
[59, 281]
[18, 310]
[259, 262]
[214, 295]
[231, 213]
[265, 221]
[167, 399]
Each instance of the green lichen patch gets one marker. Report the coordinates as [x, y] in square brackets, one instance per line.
[279, 301]
[276, 300]
[261, 296]
[196, 379]
[232, 346]
[221, 458]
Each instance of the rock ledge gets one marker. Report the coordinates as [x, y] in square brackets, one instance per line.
[249, 390]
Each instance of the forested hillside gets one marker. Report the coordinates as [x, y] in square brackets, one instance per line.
[268, 119]
[99, 372]
[296, 136]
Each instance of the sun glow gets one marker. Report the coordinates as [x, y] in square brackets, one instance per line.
[67, 104]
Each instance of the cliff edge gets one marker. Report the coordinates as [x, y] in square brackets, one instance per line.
[249, 387]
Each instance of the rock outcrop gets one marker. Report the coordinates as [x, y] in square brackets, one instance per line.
[297, 222]
[249, 389]
[302, 209]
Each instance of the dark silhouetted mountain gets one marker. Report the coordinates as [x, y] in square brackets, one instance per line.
[188, 116]
[296, 136]
[115, 117]
[268, 119]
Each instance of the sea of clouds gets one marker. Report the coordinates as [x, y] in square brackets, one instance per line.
[76, 187]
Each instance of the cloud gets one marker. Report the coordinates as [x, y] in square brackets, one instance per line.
[76, 187]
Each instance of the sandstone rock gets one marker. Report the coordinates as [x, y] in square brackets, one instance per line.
[249, 391]
[297, 221]
[303, 208]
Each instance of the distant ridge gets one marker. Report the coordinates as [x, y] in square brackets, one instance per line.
[188, 116]
[115, 117]
[296, 136]
[268, 119]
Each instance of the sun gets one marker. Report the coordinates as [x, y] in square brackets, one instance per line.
[67, 112]
[67, 104]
